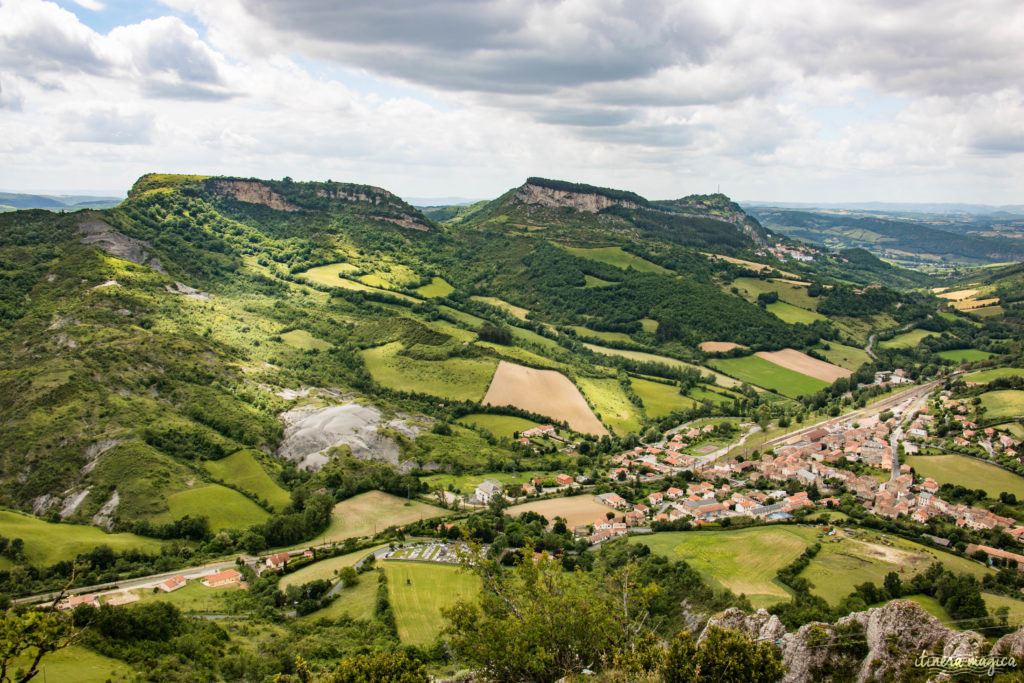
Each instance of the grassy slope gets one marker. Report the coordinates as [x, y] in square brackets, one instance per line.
[499, 425]
[454, 378]
[301, 339]
[611, 404]
[964, 355]
[438, 288]
[849, 357]
[986, 376]
[660, 399]
[326, 570]
[615, 256]
[907, 340]
[244, 471]
[224, 507]
[969, 472]
[78, 665]
[47, 543]
[1002, 404]
[374, 511]
[792, 314]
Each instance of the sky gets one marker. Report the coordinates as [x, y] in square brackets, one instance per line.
[789, 100]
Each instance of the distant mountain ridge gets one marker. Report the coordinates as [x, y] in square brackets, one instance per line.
[910, 207]
[16, 200]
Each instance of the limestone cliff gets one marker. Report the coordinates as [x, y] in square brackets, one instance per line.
[252, 192]
[591, 202]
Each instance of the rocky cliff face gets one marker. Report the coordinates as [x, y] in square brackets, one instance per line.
[873, 645]
[589, 202]
[252, 192]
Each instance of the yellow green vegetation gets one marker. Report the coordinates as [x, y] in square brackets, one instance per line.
[849, 357]
[374, 511]
[615, 256]
[644, 357]
[610, 403]
[332, 275]
[499, 425]
[660, 399]
[461, 379]
[649, 325]
[79, 664]
[325, 570]
[597, 282]
[243, 469]
[193, 597]
[907, 340]
[358, 601]
[225, 508]
[986, 376]
[418, 591]
[585, 333]
[792, 314]
[517, 311]
[964, 355]
[47, 543]
[437, 288]
[1007, 403]
[301, 339]
[750, 288]
[769, 375]
[391, 276]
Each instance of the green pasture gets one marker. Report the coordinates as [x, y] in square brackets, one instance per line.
[660, 399]
[499, 425]
[225, 508]
[418, 591]
[301, 339]
[769, 375]
[584, 333]
[374, 511]
[438, 288]
[610, 403]
[849, 357]
[969, 472]
[615, 256]
[461, 379]
[964, 355]
[907, 340]
[325, 570]
[751, 287]
[593, 282]
[1006, 403]
[644, 357]
[47, 543]
[244, 471]
[791, 314]
[77, 664]
[986, 376]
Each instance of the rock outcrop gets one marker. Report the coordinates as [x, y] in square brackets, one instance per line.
[252, 192]
[590, 202]
[98, 233]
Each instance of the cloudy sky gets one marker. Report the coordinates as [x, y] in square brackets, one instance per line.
[789, 100]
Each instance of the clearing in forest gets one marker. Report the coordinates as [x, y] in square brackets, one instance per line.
[545, 392]
[719, 347]
[791, 359]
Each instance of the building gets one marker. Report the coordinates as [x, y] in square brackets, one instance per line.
[228, 577]
[488, 489]
[172, 584]
[564, 480]
[278, 561]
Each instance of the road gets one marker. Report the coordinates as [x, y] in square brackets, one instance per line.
[913, 404]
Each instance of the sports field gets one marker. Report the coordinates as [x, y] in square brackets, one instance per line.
[1006, 403]
[325, 570]
[461, 379]
[964, 355]
[577, 510]
[849, 357]
[47, 543]
[373, 511]
[794, 360]
[499, 425]
[544, 392]
[907, 340]
[301, 339]
[225, 508]
[615, 256]
[243, 470]
[437, 288]
[660, 399]
[766, 374]
[969, 472]
[418, 591]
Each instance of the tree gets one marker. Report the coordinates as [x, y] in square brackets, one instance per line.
[723, 656]
[893, 585]
[31, 635]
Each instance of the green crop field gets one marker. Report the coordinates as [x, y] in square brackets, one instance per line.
[907, 340]
[461, 379]
[849, 357]
[77, 664]
[611, 404]
[660, 399]
[969, 472]
[418, 591]
[437, 288]
[301, 339]
[225, 508]
[744, 561]
[644, 357]
[325, 570]
[964, 355]
[585, 333]
[1003, 404]
[47, 543]
[373, 511]
[358, 601]
[244, 471]
[615, 256]
[769, 375]
[796, 295]
[986, 376]
[499, 425]
[791, 314]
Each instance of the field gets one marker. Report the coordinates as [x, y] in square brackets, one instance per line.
[660, 399]
[418, 591]
[849, 357]
[986, 376]
[467, 483]
[329, 275]
[521, 355]
[958, 295]
[1007, 403]
[326, 570]
[744, 561]
[643, 357]
[719, 347]
[969, 472]
[769, 375]
[791, 314]
[907, 340]
[964, 355]
[988, 311]
[47, 543]
[795, 294]
[756, 267]
[545, 392]
[649, 325]
[194, 597]
[461, 379]
[791, 359]
[597, 282]
[611, 403]
[615, 256]
[583, 333]
[1016, 607]
[531, 337]
[77, 664]
[301, 339]
[499, 425]
[576, 510]
[368, 513]
[392, 276]
[356, 601]
[437, 288]
[464, 318]
[224, 507]
[243, 470]
[517, 311]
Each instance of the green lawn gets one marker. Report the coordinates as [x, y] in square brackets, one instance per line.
[744, 561]
[499, 425]
[244, 471]
[986, 376]
[615, 256]
[461, 379]
[964, 355]
[418, 591]
[644, 357]
[77, 664]
[584, 333]
[326, 570]
[224, 507]
[969, 472]
[849, 357]
[907, 340]
[769, 375]
[47, 543]
[194, 597]
[610, 404]
[791, 314]
[437, 288]
[301, 339]
[373, 511]
[660, 399]
[1007, 403]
